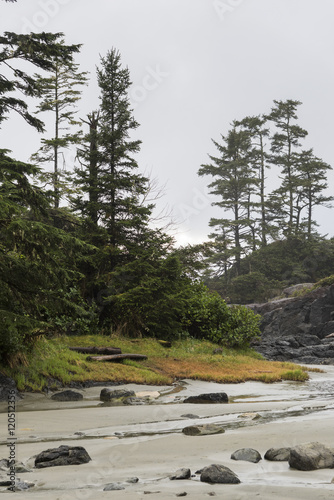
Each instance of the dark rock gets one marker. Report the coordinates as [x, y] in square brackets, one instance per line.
[278, 454]
[190, 415]
[64, 455]
[292, 329]
[219, 397]
[132, 480]
[7, 384]
[114, 487]
[203, 430]
[108, 394]
[183, 494]
[218, 474]
[181, 474]
[67, 396]
[5, 482]
[311, 456]
[4, 464]
[247, 454]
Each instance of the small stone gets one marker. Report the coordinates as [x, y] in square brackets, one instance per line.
[181, 474]
[113, 487]
[190, 415]
[253, 416]
[183, 494]
[132, 480]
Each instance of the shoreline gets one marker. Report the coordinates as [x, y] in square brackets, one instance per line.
[146, 441]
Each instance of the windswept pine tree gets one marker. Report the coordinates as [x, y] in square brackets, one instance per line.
[234, 183]
[60, 93]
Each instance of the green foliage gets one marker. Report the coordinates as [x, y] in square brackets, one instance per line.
[209, 317]
[41, 50]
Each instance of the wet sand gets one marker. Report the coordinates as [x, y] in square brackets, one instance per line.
[147, 442]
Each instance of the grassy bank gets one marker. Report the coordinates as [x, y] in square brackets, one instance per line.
[52, 362]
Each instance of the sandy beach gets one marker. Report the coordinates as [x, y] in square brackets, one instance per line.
[146, 441]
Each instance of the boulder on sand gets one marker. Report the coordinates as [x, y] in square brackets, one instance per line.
[311, 456]
[64, 455]
[278, 454]
[218, 474]
[216, 397]
[247, 454]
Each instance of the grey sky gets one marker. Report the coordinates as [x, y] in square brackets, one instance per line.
[196, 65]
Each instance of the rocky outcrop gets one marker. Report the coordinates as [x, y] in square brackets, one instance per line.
[64, 455]
[311, 456]
[216, 397]
[298, 329]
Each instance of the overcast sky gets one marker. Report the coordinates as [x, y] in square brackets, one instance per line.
[195, 65]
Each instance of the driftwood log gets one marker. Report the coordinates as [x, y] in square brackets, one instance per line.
[116, 357]
[97, 350]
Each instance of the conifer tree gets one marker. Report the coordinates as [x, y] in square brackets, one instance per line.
[258, 132]
[285, 147]
[312, 175]
[234, 183]
[114, 186]
[60, 94]
[41, 50]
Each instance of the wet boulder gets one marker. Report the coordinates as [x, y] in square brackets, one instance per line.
[278, 454]
[64, 455]
[247, 454]
[311, 456]
[203, 430]
[218, 474]
[215, 397]
[67, 396]
[115, 395]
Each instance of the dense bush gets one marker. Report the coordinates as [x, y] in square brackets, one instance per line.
[209, 317]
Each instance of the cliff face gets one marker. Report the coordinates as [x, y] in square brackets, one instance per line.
[298, 329]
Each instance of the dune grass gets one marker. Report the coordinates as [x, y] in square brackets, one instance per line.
[51, 363]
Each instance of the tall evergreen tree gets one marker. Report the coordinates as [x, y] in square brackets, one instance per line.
[60, 94]
[312, 174]
[256, 127]
[234, 182]
[285, 147]
[115, 188]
